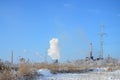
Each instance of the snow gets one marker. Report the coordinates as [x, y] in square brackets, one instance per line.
[100, 69]
[100, 75]
[44, 72]
[117, 71]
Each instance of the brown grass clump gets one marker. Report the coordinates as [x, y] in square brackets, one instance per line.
[42, 66]
[54, 68]
[25, 69]
[5, 72]
[7, 75]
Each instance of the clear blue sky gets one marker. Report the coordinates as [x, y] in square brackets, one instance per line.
[27, 26]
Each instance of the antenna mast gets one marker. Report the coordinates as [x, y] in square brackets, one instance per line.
[101, 41]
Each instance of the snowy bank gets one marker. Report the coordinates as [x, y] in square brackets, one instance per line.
[44, 72]
[100, 69]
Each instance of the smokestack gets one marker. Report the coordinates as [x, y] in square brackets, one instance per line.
[91, 57]
[12, 57]
[55, 61]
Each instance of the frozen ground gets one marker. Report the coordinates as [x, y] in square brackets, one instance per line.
[97, 74]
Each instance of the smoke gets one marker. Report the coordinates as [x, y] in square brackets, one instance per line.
[54, 51]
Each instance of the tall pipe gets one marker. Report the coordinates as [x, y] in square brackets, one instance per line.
[91, 50]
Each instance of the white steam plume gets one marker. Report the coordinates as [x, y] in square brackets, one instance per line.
[54, 51]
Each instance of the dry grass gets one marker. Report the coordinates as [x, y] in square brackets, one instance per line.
[25, 69]
[5, 72]
[80, 66]
[64, 67]
[7, 75]
[53, 67]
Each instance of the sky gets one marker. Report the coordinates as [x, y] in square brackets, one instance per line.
[27, 26]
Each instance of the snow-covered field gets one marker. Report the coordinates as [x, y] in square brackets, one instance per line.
[97, 74]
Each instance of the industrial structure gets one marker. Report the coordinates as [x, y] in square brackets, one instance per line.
[100, 57]
[91, 57]
[12, 57]
[55, 61]
[101, 41]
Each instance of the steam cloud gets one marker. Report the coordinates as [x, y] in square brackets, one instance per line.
[54, 51]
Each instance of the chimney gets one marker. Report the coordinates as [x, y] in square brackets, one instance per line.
[91, 57]
[55, 61]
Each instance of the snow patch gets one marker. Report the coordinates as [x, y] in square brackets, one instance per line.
[117, 71]
[44, 72]
[99, 69]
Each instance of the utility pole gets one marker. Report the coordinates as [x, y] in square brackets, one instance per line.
[101, 41]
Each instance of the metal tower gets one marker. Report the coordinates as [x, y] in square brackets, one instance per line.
[101, 41]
